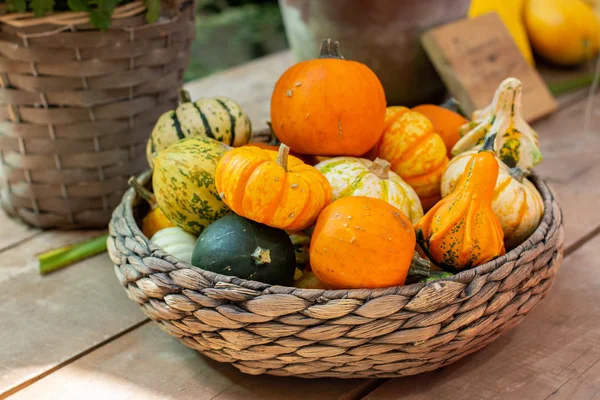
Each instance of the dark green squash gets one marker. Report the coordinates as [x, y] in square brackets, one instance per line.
[236, 246]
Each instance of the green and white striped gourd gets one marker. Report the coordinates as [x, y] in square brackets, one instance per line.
[516, 144]
[184, 183]
[217, 118]
[350, 176]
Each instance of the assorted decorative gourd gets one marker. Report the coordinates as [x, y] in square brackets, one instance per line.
[356, 218]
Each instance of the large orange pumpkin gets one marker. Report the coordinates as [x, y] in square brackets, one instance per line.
[445, 122]
[362, 242]
[328, 106]
[415, 150]
[272, 187]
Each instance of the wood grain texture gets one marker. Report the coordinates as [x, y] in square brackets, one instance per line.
[149, 364]
[474, 55]
[553, 354]
[47, 320]
[13, 231]
[571, 166]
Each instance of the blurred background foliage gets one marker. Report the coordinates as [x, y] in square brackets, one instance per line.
[231, 32]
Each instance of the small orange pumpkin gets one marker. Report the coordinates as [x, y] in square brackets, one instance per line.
[415, 150]
[462, 230]
[271, 187]
[328, 106]
[445, 122]
[362, 242]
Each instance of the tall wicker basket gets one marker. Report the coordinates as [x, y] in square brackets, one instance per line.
[77, 106]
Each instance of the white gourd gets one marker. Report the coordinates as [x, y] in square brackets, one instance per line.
[176, 242]
[516, 143]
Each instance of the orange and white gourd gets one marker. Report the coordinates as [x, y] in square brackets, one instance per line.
[517, 203]
[351, 176]
[516, 143]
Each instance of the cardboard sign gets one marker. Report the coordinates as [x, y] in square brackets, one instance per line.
[474, 55]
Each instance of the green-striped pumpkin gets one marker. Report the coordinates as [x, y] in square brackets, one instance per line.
[184, 183]
[217, 118]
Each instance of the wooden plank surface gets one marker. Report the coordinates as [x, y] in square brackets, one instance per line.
[553, 354]
[48, 320]
[473, 55]
[13, 232]
[571, 166]
[149, 364]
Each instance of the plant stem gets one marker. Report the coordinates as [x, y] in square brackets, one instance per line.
[184, 96]
[142, 191]
[381, 168]
[58, 258]
[282, 156]
[330, 49]
[419, 266]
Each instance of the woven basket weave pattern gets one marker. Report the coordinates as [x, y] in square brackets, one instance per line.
[78, 105]
[355, 333]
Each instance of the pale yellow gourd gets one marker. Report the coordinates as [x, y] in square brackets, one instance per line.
[516, 143]
[517, 203]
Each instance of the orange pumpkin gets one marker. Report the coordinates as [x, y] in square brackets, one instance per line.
[445, 122]
[462, 230]
[415, 150]
[264, 146]
[328, 106]
[271, 187]
[362, 242]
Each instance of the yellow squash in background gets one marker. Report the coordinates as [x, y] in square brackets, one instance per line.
[511, 13]
[565, 32]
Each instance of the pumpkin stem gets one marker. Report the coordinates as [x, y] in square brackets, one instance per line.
[453, 105]
[518, 173]
[419, 266]
[142, 191]
[184, 96]
[380, 168]
[488, 143]
[330, 49]
[273, 141]
[282, 156]
[261, 256]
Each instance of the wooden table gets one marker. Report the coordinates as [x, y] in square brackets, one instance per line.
[75, 334]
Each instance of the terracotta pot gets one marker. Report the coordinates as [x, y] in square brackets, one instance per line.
[383, 34]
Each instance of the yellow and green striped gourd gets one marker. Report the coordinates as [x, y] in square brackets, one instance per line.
[218, 118]
[184, 183]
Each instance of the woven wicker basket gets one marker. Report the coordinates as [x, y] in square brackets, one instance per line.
[397, 331]
[77, 105]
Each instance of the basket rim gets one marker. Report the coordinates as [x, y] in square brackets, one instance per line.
[548, 221]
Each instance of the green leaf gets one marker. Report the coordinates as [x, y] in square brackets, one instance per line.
[100, 19]
[17, 5]
[78, 5]
[41, 7]
[153, 10]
